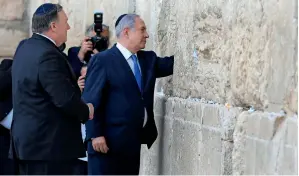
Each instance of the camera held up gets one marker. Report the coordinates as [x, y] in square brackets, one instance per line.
[100, 43]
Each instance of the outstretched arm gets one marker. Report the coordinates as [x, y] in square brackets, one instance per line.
[164, 66]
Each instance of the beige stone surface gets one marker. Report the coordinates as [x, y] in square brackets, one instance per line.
[199, 138]
[75, 11]
[12, 9]
[241, 52]
[262, 144]
[238, 51]
[188, 142]
[10, 39]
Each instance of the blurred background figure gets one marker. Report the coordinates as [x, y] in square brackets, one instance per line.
[80, 55]
[6, 165]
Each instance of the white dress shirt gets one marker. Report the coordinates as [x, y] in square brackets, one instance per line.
[6, 122]
[83, 131]
[127, 55]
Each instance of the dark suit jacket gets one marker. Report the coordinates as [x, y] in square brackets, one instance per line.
[112, 88]
[75, 61]
[47, 104]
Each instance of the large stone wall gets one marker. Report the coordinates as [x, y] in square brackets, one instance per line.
[239, 52]
[13, 25]
[200, 138]
[229, 55]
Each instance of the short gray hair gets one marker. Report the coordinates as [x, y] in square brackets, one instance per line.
[41, 23]
[90, 29]
[128, 21]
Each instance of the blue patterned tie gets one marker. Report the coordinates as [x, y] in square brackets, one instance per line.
[137, 72]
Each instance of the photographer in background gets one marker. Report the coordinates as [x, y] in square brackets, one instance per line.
[77, 56]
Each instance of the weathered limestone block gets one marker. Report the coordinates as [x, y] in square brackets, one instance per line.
[241, 52]
[191, 131]
[211, 159]
[186, 152]
[226, 158]
[10, 39]
[75, 10]
[12, 9]
[262, 144]
[166, 145]
[158, 159]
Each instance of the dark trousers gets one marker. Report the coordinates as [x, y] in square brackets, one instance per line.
[67, 167]
[81, 168]
[7, 166]
[107, 164]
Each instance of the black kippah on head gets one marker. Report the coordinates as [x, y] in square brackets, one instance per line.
[45, 9]
[119, 18]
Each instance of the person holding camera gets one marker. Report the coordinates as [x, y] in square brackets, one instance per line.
[78, 56]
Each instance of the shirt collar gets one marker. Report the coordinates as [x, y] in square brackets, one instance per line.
[124, 51]
[47, 38]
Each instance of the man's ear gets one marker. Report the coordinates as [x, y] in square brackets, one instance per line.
[126, 32]
[53, 26]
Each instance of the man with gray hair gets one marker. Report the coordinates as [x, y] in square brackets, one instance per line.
[120, 83]
[47, 106]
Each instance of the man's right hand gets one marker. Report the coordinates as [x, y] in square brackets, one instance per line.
[85, 47]
[91, 110]
[99, 144]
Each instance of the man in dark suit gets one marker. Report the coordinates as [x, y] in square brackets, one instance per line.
[47, 106]
[120, 83]
[6, 165]
[78, 56]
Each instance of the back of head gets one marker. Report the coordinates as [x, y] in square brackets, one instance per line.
[43, 16]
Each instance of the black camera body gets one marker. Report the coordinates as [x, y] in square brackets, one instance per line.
[100, 43]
